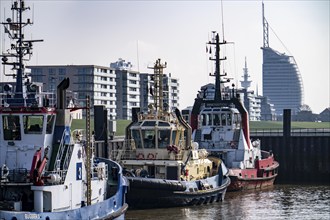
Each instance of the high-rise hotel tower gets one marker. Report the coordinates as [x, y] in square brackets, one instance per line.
[281, 79]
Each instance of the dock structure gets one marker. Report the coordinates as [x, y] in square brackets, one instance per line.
[305, 156]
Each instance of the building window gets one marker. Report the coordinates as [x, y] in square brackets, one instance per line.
[104, 78]
[104, 70]
[132, 81]
[103, 86]
[61, 71]
[132, 74]
[51, 71]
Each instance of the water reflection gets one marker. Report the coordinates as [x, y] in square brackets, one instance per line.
[279, 202]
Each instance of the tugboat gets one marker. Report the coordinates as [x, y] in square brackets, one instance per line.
[163, 166]
[48, 171]
[220, 124]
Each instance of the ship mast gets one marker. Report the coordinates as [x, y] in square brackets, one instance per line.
[216, 41]
[158, 86]
[18, 50]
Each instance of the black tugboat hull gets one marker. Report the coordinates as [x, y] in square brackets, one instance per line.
[146, 193]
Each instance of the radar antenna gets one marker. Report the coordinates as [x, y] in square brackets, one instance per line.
[19, 49]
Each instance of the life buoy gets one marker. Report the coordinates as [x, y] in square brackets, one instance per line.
[173, 148]
[140, 156]
[151, 156]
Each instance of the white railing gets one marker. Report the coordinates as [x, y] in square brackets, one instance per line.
[44, 99]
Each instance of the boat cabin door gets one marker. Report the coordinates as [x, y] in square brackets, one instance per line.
[151, 171]
[172, 173]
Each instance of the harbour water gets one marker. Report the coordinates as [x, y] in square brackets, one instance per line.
[277, 202]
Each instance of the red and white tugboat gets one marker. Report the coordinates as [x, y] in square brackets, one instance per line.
[220, 125]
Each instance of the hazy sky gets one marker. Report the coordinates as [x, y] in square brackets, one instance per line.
[100, 32]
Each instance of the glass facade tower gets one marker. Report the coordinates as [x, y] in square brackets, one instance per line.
[281, 81]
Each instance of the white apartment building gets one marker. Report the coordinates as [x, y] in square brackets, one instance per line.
[98, 82]
[127, 88]
[170, 91]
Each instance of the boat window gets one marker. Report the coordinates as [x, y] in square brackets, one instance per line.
[203, 119]
[228, 119]
[164, 138]
[149, 123]
[223, 119]
[163, 124]
[33, 124]
[216, 119]
[137, 138]
[237, 120]
[50, 124]
[209, 119]
[11, 127]
[148, 138]
[173, 137]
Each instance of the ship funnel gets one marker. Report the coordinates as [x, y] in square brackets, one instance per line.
[61, 93]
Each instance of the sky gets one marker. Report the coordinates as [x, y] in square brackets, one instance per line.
[93, 32]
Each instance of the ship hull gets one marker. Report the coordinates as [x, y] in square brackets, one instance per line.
[147, 193]
[98, 211]
[238, 184]
[114, 207]
[251, 179]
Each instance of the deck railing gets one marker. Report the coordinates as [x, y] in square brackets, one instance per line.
[294, 132]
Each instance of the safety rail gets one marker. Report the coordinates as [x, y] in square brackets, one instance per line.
[213, 145]
[59, 153]
[294, 132]
[160, 154]
[43, 99]
[67, 157]
[265, 154]
[62, 148]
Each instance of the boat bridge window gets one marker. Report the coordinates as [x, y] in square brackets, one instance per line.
[137, 138]
[216, 119]
[149, 123]
[173, 137]
[223, 119]
[33, 124]
[229, 119]
[203, 119]
[209, 119]
[148, 138]
[164, 138]
[237, 120]
[163, 124]
[11, 127]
